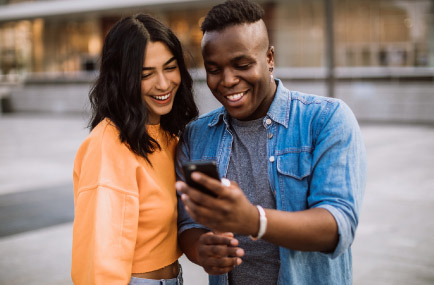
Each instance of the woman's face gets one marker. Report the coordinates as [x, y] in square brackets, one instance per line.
[160, 80]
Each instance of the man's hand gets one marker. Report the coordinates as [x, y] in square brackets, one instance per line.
[312, 229]
[218, 252]
[231, 211]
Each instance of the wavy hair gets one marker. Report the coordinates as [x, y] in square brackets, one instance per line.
[116, 93]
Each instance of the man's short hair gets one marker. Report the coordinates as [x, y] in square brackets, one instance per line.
[231, 13]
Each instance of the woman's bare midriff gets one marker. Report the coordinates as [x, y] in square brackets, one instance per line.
[167, 272]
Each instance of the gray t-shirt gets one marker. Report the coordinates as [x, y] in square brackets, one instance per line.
[248, 167]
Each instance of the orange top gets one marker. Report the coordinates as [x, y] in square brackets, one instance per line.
[125, 209]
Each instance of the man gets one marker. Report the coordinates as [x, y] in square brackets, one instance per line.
[296, 163]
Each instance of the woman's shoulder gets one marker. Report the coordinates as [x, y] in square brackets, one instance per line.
[104, 141]
[103, 159]
[105, 130]
[106, 135]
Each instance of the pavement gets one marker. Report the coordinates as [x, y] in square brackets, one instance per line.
[394, 242]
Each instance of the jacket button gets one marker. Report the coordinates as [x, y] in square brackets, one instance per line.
[272, 158]
[268, 121]
[270, 135]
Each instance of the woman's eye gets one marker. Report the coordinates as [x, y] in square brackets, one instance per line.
[171, 67]
[212, 70]
[144, 76]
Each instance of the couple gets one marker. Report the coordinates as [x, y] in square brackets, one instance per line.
[295, 164]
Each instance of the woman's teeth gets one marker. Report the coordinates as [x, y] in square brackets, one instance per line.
[235, 97]
[162, 98]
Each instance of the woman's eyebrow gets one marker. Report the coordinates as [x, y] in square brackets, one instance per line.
[166, 63]
[170, 60]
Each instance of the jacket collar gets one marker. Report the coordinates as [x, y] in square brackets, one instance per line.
[281, 105]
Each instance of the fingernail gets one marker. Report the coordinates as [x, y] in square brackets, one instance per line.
[195, 175]
[226, 182]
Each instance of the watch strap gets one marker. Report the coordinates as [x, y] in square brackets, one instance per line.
[262, 223]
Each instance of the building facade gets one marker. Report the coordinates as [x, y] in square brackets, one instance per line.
[386, 41]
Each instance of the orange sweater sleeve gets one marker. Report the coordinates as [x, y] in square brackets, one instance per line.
[105, 230]
[106, 211]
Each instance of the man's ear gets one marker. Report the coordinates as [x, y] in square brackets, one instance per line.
[270, 57]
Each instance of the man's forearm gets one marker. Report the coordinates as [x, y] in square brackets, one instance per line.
[308, 230]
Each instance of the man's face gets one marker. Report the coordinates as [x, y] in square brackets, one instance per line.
[237, 62]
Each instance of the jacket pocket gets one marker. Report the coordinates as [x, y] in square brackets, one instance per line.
[295, 164]
[293, 171]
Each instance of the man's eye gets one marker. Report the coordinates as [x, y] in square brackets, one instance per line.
[243, 66]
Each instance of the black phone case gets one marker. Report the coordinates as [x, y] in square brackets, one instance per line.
[208, 168]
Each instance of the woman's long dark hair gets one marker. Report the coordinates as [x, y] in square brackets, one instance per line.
[116, 93]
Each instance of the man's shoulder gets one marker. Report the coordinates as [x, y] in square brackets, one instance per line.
[212, 117]
[312, 99]
[292, 108]
[311, 104]
[295, 104]
[318, 110]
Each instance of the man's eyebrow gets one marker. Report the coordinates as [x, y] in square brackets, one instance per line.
[166, 63]
[241, 57]
[235, 59]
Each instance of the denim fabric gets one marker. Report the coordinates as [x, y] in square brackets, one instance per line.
[316, 159]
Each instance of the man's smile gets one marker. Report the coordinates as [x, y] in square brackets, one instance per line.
[235, 97]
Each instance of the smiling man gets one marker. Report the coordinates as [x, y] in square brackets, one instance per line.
[239, 69]
[296, 165]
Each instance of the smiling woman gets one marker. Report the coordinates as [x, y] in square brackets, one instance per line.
[160, 80]
[125, 227]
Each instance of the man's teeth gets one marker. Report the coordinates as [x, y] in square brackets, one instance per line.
[235, 96]
[164, 97]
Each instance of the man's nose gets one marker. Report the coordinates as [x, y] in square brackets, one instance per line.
[229, 78]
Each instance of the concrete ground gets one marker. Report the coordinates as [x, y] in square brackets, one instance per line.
[394, 243]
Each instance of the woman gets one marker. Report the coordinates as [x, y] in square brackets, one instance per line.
[125, 201]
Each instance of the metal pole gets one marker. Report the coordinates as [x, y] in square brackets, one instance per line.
[330, 48]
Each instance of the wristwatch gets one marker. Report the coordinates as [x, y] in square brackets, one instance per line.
[262, 223]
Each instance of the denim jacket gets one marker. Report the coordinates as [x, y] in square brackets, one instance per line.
[316, 158]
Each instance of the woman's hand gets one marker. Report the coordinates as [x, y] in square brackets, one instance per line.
[218, 252]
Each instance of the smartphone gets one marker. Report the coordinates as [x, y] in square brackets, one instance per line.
[208, 167]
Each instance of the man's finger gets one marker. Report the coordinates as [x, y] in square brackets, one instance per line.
[214, 185]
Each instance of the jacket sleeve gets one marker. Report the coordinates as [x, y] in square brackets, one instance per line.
[339, 172]
[104, 236]
[185, 222]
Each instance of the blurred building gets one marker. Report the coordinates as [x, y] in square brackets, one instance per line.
[380, 42]
[67, 36]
